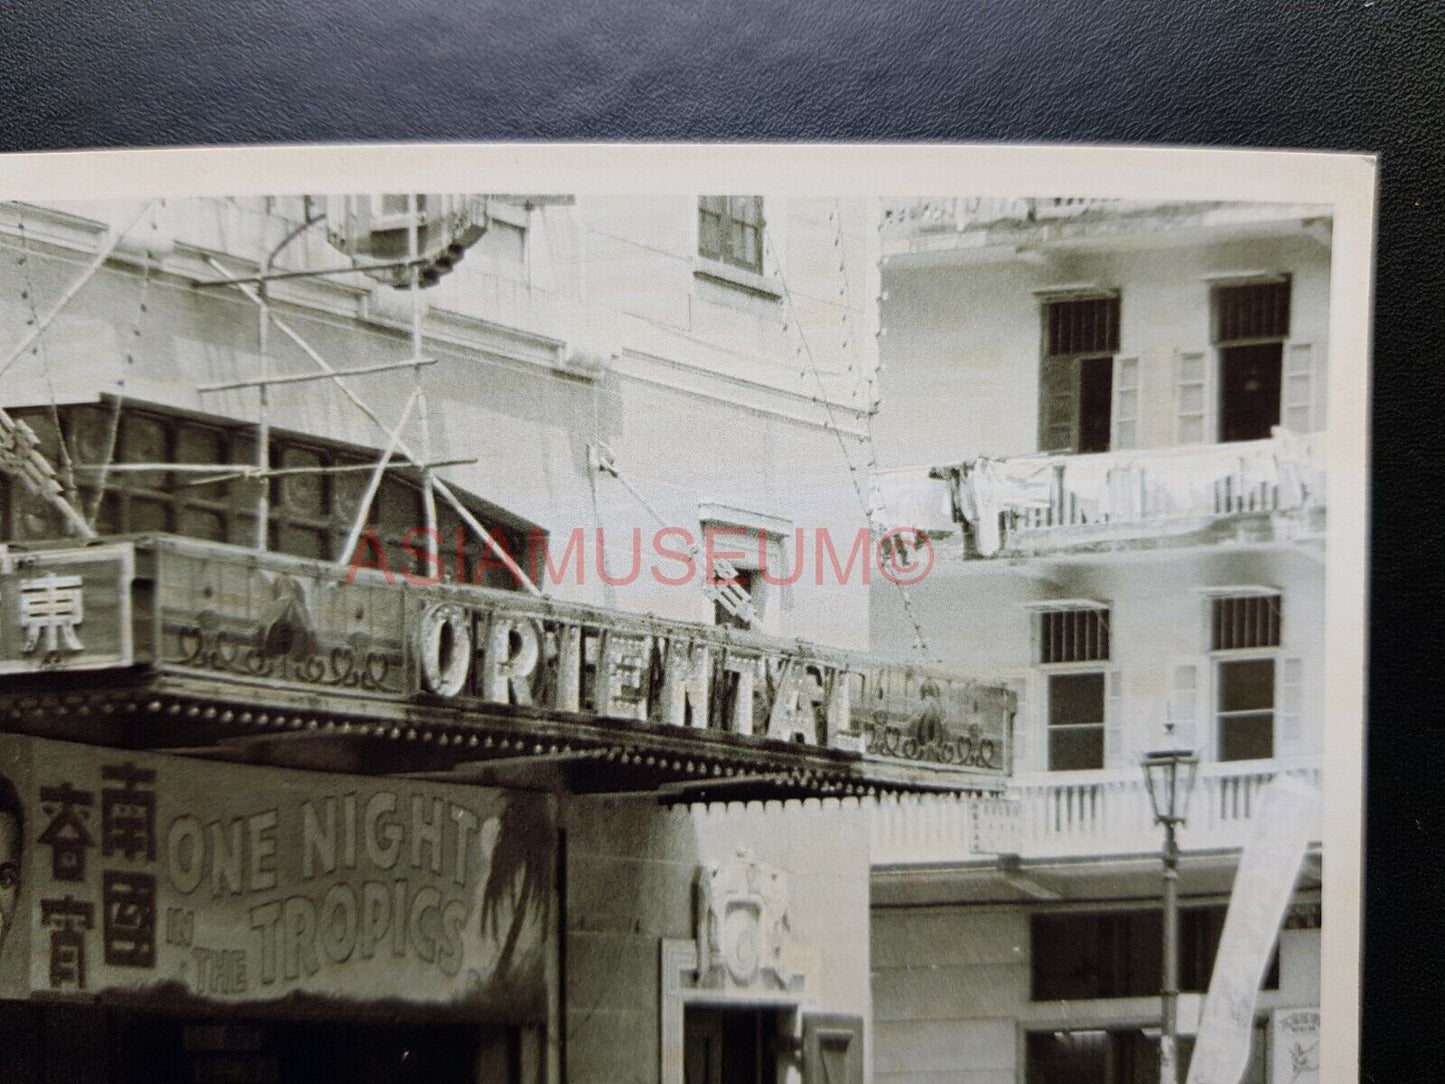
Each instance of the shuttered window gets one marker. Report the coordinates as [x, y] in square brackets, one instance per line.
[1077, 378]
[1253, 311]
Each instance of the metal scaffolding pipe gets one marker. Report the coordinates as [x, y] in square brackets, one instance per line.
[401, 445]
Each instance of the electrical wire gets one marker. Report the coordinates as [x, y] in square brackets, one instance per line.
[804, 351]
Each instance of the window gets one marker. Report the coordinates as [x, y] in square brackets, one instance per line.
[1245, 720]
[1077, 392]
[1244, 621]
[1075, 635]
[1089, 326]
[1070, 633]
[730, 229]
[1251, 324]
[1253, 311]
[1087, 955]
[1245, 687]
[1076, 721]
[310, 511]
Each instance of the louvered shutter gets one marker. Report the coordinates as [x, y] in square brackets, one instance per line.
[1126, 404]
[1058, 405]
[1185, 698]
[1296, 408]
[1116, 745]
[1289, 706]
[1191, 396]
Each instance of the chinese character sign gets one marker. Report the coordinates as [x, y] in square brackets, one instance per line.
[66, 609]
[235, 883]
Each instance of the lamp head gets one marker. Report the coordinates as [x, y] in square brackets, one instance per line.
[1169, 777]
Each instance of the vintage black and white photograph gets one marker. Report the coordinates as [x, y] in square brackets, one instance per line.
[681, 615]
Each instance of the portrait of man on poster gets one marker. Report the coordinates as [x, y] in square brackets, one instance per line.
[12, 838]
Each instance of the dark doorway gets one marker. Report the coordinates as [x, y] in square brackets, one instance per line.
[1249, 392]
[1096, 399]
[153, 1049]
[730, 1046]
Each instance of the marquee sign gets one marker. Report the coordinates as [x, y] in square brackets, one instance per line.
[163, 877]
[280, 623]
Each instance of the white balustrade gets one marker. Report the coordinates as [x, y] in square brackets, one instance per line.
[1071, 814]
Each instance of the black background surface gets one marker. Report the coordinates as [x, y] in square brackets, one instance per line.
[1330, 74]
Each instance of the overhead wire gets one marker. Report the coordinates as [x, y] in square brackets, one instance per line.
[804, 351]
[112, 437]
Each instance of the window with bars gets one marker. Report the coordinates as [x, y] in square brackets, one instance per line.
[730, 229]
[309, 515]
[1245, 691]
[1085, 326]
[1239, 622]
[1253, 311]
[1074, 635]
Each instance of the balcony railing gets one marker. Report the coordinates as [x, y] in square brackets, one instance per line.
[1035, 504]
[944, 215]
[1071, 814]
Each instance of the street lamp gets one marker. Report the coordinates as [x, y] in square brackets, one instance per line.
[1169, 776]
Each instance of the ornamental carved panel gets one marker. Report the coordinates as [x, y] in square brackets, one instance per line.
[744, 935]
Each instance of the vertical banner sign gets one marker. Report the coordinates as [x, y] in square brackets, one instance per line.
[1287, 813]
[188, 881]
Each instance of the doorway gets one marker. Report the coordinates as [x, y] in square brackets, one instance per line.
[730, 1045]
[1249, 395]
[156, 1048]
[1096, 403]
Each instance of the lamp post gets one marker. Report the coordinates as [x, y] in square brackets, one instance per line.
[1169, 777]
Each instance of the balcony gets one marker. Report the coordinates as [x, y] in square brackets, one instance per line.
[1254, 492]
[944, 215]
[194, 644]
[1071, 815]
[932, 226]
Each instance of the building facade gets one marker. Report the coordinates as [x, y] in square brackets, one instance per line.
[1126, 505]
[365, 711]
